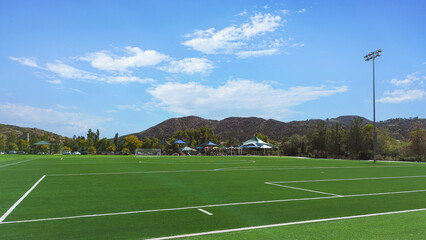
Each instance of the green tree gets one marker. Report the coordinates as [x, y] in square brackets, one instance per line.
[91, 150]
[12, 138]
[296, 145]
[2, 143]
[111, 148]
[318, 139]
[116, 142]
[335, 140]
[22, 145]
[66, 148]
[418, 142]
[132, 142]
[12, 146]
[354, 138]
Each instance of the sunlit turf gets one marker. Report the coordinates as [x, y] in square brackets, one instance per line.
[123, 197]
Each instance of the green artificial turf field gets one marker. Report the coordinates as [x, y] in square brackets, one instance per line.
[123, 197]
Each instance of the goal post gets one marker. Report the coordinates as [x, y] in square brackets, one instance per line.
[146, 152]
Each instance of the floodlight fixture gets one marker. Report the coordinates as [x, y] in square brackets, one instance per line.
[373, 55]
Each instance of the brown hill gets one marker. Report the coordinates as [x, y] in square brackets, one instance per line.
[20, 132]
[243, 128]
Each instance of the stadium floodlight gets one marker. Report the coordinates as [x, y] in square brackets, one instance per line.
[368, 57]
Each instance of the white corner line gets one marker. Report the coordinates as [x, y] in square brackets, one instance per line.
[204, 211]
[2, 218]
[15, 163]
[347, 179]
[303, 189]
[286, 224]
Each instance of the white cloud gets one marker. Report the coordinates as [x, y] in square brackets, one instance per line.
[137, 58]
[189, 66]
[128, 79]
[410, 78]
[257, 53]
[284, 11]
[236, 98]
[132, 107]
[402, 95]
[66, 123]
[301, 10]
[243, 13]
[231, 38]
[67, 71]
[266, 7]
[26, 61]
[55, 81]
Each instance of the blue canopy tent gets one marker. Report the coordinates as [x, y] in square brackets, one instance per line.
[209, 143]
[179, 142]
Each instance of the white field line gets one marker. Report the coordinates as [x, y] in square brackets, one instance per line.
[303, 189]
[212, 205]
[347, 179]
[20, 200]
[204, 211]
[209, 170]
[10, 164]
[233, 162]
[287, 224]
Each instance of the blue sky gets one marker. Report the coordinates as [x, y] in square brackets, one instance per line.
[124, 66]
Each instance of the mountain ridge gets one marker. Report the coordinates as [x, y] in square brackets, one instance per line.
[242, 128]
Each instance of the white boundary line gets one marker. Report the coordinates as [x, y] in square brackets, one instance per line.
[10, 164]
[210, 170]
[20, 200]
[286, 224]
[204, 211]
[346, 179]
[212, 205]
[302, 189]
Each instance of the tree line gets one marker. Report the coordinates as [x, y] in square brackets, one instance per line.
[323, 141]
[356, 142]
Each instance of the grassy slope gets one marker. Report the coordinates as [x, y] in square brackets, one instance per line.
[76, 195]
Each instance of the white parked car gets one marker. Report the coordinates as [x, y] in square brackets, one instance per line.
[66, 153]
[76, 153]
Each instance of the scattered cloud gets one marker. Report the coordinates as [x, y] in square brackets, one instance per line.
[132, 107]
[257, 53]
[128, 79]
[232, 38]
[266, 7]
[284, 11]
[67, 71]
[26, 61]
[136, 57]
[236, 98]
[55, 81]
[409, 79]
[403, 95]
[189, 66]
[301, 10]
[243, 13]
[66, 123]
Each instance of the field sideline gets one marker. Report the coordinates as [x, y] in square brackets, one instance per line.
[123, 197]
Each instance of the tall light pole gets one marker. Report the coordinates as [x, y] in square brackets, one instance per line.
[368, 57]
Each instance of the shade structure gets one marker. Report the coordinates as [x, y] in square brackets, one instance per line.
[42, 143]
[179, 142]
[187, 149]
[209, 143]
